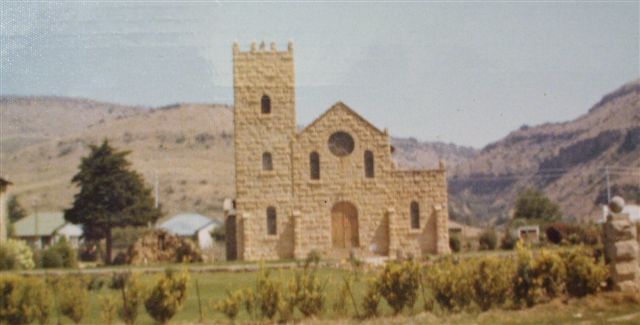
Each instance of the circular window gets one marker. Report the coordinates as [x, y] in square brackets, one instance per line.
[341, 144]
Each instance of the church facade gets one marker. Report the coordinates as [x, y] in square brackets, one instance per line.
[331, 187]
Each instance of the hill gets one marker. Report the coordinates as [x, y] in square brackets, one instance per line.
[566, 160]
[188, 146]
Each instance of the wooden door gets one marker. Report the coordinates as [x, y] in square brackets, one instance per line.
[344, 226]
[231, 240]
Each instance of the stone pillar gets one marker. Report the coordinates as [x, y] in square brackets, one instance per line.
[298, 235]
[245, 238]
[621, 249]
[442, 230]
[394, 240]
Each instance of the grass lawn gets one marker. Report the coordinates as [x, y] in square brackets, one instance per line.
[600, 309]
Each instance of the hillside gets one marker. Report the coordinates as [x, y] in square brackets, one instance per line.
[566, 160]
[189, 146]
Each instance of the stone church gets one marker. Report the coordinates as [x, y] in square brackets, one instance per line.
[331, 187]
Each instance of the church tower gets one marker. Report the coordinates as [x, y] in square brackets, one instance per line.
[265, 124]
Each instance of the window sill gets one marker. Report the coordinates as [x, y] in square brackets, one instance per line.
[271, 237]
[415, 231]
[314, 182]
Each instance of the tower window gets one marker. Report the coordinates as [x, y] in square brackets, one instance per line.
[415, 215]
[368, 164]
[267, 163]
[266, 104]
[314, 163]
[272, 226]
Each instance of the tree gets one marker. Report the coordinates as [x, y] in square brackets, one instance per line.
[111, 195]
[15, 211]
[534, 205]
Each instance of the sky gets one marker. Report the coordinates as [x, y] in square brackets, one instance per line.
[465, 72]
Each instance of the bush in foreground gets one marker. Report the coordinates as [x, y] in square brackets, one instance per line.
[16, 255]
[585, 274]
[168, 296]
[488, 240]
[24, 300]
[72, 298]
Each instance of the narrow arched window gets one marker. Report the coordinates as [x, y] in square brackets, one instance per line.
[266, 104]
[272, 226]
[415, 215]
[368, 164]
[314, 164]
[267, 163]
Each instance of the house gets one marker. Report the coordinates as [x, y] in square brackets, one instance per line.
[192, 225]
[4, 218]
[529, 234]
[42, 229]
[332, 187]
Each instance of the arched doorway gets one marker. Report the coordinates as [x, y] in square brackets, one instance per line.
[344, 225]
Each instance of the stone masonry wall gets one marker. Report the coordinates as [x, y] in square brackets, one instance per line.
[304, 206]
[259, 72]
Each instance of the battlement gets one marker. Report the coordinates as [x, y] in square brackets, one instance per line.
[262, 48]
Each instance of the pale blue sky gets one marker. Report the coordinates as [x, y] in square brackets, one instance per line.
[467, 73]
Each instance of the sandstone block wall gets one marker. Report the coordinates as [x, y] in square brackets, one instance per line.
[305, 206]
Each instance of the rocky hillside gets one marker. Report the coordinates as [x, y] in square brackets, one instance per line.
[567, 160]
[190, 149]
[188, 146]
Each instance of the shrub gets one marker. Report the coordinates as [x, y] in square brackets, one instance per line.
[509, 240]
[72, 298]
[16, 255]
[491, 281]
[267, 294]
[455, 244]
[231, 305]
[68, 253]
[585, 274]
[371, 299]
[24, 300]
[108, 308]
[524, 281]
[51, 259]
[398, 284]
[550, 272]
[96, 282]
[118, 280]
[132, 293]
[488, 240]
[450, 283]
[167, 296]
[310, 295]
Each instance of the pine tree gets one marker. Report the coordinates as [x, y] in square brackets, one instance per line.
[15, 211]
[111, 195]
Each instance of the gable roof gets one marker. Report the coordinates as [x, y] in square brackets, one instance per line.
[40, 224]
[186, 224]
[340, 106]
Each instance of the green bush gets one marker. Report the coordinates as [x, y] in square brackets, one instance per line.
[525, 284]
[267, 294]
[24, 300]
[398, 284]
[168, 296]
[16, 255]
[550, 272]
[371, 299]
[133, 293]
[585, 274]
[307, 292]
[491, 281]
[451, 283]
[488, 240]
[230, 306]
[108, 308]
[68, 253]
[51, 259]
[72, 298]
[509, 240]
[455, 244]
[118, 280]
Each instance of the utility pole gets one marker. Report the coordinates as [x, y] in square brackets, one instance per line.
[157, 193]
[606, 172]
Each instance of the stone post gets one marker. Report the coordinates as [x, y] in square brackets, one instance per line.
[621, 248]
[394, 241]
[442, 231]
[298, 251]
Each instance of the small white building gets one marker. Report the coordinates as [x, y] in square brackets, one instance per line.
[632, 210]
[192, 225]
